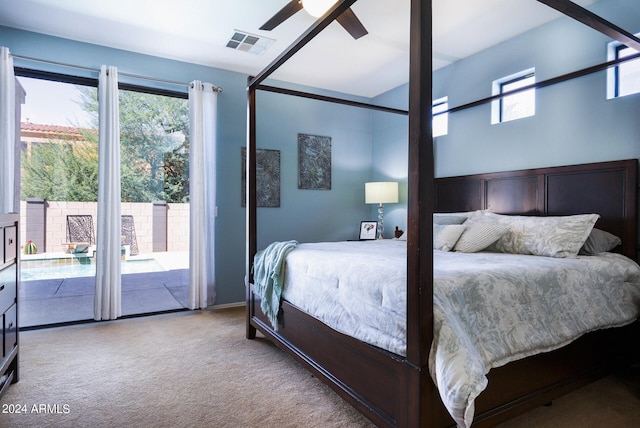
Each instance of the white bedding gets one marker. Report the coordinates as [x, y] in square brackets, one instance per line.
[487, 312]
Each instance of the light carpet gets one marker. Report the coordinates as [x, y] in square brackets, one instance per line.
[196, 369]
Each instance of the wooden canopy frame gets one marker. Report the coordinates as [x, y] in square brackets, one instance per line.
[421, 406]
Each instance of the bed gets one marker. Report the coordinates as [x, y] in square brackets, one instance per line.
[365, 367]
[490, 308]
[395, 388]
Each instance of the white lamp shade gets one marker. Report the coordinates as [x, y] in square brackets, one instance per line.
[381, 192]
[317, 8]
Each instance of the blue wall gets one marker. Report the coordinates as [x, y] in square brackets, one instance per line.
[313, 215]
[306, 215]
[390, 153]
[574, 122]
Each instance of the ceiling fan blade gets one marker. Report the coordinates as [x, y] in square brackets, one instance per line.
[352, 24]
[283, 14]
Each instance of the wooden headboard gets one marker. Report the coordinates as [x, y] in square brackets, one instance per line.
[605, 188]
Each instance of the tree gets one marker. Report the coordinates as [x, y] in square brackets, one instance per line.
[154, 150]
[154, 140]
[62, 171]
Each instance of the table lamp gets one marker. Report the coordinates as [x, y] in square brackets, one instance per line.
[381, 192]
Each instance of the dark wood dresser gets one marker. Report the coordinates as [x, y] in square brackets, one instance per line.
[9, 260]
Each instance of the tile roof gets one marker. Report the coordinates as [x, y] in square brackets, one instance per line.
[52, 131]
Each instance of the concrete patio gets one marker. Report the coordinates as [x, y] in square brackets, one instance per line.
[60, 300]
[51, 301]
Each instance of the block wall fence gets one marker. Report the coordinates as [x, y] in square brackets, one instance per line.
[159, 226]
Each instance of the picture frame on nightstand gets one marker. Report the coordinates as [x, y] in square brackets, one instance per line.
[368, 230]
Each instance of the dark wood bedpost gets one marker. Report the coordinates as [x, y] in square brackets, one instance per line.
[252, 85]
[423, 408]
[251, 203]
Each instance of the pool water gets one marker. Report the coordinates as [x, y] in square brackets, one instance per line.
[80, 270]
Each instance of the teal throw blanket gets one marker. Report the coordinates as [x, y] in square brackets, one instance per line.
[268, 277]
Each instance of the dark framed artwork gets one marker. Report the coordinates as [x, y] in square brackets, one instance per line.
[267, 178]
[314, 162]
[368, 230]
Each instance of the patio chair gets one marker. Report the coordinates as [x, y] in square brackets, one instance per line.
[80, 229]
[129, 234]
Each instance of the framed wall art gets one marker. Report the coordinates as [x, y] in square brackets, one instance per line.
[314, 162]
[267, 177]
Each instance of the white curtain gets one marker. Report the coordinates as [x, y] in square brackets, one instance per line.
[203, 101]
[7, 131]
[107, 300]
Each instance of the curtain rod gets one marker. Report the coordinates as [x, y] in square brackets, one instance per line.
[136, 76]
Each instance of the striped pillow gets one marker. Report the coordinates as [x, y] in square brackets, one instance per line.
[478, 235]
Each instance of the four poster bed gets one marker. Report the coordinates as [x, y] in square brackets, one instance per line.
[391, 380]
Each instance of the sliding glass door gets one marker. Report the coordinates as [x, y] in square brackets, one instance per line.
[154, 151]
[58, 171]
[59, 187]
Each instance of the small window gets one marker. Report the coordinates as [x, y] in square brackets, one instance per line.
[516, 106]
[624, 78]
[440, 112]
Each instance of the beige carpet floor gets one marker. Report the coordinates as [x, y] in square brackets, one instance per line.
[196, 369]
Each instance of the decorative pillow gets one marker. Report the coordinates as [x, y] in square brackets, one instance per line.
[599, 241]
[439, 218]
[445, 236]
[552, 236]
[479, 234]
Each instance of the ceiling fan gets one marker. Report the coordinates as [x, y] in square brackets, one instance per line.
[317, 8]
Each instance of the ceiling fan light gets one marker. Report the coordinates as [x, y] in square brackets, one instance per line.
[317, 8]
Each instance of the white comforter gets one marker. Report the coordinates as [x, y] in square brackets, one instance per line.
[489, 308]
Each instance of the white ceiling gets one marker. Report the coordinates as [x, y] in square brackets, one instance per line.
[196, 31]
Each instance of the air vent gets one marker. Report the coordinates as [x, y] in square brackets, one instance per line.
[251, 43]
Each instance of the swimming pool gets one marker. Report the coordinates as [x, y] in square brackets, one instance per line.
[46, 269]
